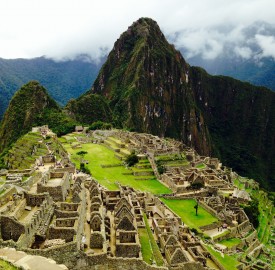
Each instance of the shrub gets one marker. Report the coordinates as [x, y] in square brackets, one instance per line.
[84, 169]
[100, 125]
[132, 159]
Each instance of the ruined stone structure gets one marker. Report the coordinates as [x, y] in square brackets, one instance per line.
[56, 183]
[68, 216]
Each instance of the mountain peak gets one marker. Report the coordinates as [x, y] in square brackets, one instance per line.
[143, 27]
[26, 108]
[142, 75]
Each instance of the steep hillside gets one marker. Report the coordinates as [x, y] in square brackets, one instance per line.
[31, 106]
[89, 108]
[64, 80]
[146, 82]
[241, 121]
[150, 88]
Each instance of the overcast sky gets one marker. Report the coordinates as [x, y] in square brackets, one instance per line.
[65, 28]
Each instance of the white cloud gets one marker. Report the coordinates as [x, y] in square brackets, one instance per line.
[267, 44]
[244, 52]
[65, 28]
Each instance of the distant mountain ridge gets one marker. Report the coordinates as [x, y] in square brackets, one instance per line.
[64, 79]
[150, 88]
[245, 60]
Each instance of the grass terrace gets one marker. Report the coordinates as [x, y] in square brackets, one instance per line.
[185, 210]
[201, 166]
[154, 251]
[228, 262]
[100, 155]
[146, 249]
[230, 242]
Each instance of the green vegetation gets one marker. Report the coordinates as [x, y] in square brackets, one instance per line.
[4, 265]
[90, 108]
[226, 232]
[185, 209]
[156, 252]
[108, 177]
[146, 249]
[228, 262]
[230, 242]
[266, 212]
[76, 76]
[200, 166]
[100, 125]
[32, 106]
[252, 211]
[131, 160]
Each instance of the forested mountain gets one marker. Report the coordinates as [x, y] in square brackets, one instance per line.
[64, 79]
[31, 106]
[150, 88]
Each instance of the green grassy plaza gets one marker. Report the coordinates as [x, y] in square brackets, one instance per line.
[100, 155]
[185, 210]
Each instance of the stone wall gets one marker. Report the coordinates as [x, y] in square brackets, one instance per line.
[5, 197]
[208, 208]
[116, 264]
[66, 233]
[31, 180]
[70, 169]
[10, 228]
[58, 193]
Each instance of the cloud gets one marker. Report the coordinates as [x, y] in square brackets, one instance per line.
[66, 28]
[244, 52]
[267, 45]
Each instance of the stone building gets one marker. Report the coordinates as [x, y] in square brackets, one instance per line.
[57, 184]
[23, 217]
[127, 241]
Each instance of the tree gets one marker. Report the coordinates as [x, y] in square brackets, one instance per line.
[82, 154]
[196, 207]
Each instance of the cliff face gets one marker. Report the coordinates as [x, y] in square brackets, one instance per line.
[241, 121]
[147, 84]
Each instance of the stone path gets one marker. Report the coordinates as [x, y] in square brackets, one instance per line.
[29, 262]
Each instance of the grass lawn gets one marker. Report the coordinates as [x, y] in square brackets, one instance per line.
[185, 209]
[230, 242]
[228, 262]
[201, 166]
[98, 155]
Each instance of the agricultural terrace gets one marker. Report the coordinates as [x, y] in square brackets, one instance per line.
[99, 155]
[186, 211]
[228, 262]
